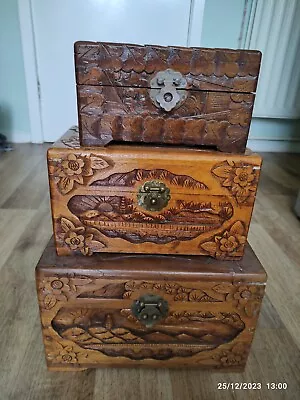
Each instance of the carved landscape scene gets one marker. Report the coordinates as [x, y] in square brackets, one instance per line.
[117, 332]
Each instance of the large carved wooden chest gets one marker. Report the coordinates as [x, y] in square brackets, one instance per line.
[146, 310]
[157, 200]
[170, 95]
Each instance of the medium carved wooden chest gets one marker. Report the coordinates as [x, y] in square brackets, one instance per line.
[139, 310]
[170, 95]
[160, 200]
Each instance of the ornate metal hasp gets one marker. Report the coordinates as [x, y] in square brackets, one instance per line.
[150, 309]
[167, 89]
[153, 195]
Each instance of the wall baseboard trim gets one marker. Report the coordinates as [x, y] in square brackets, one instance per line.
[17, 136]
[278, 146]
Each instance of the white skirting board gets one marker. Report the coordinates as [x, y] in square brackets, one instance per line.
[17, 136]
[273, 134]
[278, 146]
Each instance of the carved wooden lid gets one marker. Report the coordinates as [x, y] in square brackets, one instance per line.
[118, 64]
[154, 267]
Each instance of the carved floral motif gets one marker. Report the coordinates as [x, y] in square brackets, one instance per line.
[67, 355]
[248, 299]
[245, 298]
[54, 289]
[57, 286]
[74, 169]
[74, 240]
[228, 244]
[234, 357]
[239, 178]
[63, 354]
[51, 290]
[80, 238]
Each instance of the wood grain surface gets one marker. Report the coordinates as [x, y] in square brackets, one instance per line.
[87, 320]
[116, 102]
[210, 119]
[96, 205]
[119, 64]
[26, 228]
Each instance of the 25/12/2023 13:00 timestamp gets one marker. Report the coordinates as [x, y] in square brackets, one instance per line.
[252, 385]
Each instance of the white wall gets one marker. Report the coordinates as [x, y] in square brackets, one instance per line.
[14, 119]
[226, 24]
[218, 15]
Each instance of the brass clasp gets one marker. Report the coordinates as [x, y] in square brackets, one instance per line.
[149, 309]
[164, 91]
[153, 195]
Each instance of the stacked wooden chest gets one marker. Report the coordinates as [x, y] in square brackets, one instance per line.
[163, 211]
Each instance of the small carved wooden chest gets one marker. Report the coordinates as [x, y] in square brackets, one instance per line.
[139, 310]
[164, 200]
[172, 95]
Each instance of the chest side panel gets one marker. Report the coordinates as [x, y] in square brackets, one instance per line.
[100, 203]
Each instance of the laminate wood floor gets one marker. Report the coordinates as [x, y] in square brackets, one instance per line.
[25, 228]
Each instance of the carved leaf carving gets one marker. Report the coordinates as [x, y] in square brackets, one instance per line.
[237, 228]
[98, 163]
[113, 290]
[223, 171]
[66, 225]
[210, 247]
[49, 301]
[223, 288]
[65, 185]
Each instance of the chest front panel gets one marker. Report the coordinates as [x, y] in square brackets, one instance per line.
[165, 94]
[164, 201]
[92, 319]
